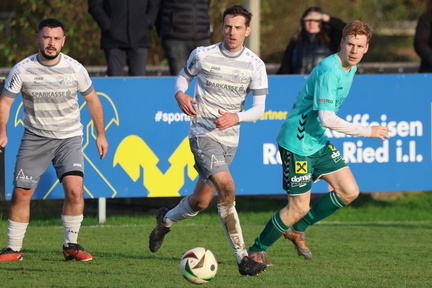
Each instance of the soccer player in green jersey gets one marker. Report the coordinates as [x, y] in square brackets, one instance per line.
[306, 153]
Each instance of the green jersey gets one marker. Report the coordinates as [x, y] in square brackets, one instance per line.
[326, 88]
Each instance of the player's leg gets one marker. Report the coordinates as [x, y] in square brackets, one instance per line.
[228, 215]
[19, 217]
[333, 170]
[32, 161]
[297, 181]
[280, 222]
[72, 217]
[188, 207]
[69, 165]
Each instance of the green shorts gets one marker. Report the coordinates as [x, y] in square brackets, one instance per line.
[299, 172]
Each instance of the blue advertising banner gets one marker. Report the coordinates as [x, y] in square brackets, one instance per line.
[149, 152]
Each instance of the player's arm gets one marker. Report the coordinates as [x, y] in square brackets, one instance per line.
[252, 114]
[184, 101]
[96, 113]
[330, 120]
[5, 105]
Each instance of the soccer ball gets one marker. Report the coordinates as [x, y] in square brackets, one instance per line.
[198, 265]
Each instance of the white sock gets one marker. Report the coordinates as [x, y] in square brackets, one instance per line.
[16, 232]
[180, 212]
[71, 225]
[231, 223]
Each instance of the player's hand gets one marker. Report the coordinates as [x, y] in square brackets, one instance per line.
[379, 132]
[102, 146]
[185, 102]
[227, 120]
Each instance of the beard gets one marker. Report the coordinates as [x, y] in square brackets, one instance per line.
[49, 57]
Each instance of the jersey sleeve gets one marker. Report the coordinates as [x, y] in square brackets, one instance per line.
[85, 85]
[259, 84]
[192, 67]
[13, 83]
[325, 92]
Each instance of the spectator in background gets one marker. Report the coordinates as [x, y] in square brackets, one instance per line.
[318, 37]
[183, 26]
[423, 39]
[125, 37]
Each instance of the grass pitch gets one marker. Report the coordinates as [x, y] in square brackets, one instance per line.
[359, 246]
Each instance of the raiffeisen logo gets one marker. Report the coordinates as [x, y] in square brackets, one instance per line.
[356, 149]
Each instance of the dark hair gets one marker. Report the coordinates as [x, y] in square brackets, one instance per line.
[323, 35]
[238, 10]
[51, 23]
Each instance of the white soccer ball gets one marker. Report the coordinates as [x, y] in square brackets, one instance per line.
[198, 265]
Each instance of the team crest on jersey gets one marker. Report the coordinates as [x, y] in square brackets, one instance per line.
[64, 80]
[301, 167]
[242, 76]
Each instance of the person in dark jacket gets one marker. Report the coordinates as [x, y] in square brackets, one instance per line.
[125, 37]
[423, 39]
[183, 26]
[319, 36]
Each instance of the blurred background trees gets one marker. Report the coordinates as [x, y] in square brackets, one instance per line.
[393, 22]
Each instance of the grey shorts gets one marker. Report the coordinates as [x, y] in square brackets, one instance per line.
[210, 157]
[36, 153]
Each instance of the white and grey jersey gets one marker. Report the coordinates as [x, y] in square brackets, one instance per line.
[50, 95]
[224, 80]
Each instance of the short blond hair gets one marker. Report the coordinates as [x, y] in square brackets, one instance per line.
[357, 27]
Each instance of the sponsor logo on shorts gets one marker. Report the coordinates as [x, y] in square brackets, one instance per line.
[300, 181]
[301, 167]
[22, 177]
[77, 165]
[336, 156]
[216, 162]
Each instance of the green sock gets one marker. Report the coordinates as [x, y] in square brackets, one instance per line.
[324, 207]
[271, 233]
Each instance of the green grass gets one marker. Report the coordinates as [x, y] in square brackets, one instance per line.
[372, 243]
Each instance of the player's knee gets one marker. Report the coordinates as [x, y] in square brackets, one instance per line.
[74, 196]
[349, 194]
[294, 212]
[200, 206]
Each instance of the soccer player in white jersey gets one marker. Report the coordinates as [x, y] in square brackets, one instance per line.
[49, 82]
[306, 153]
[226, 72]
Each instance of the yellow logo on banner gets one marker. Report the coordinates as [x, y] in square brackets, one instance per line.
[134, 156]
[301, 167]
